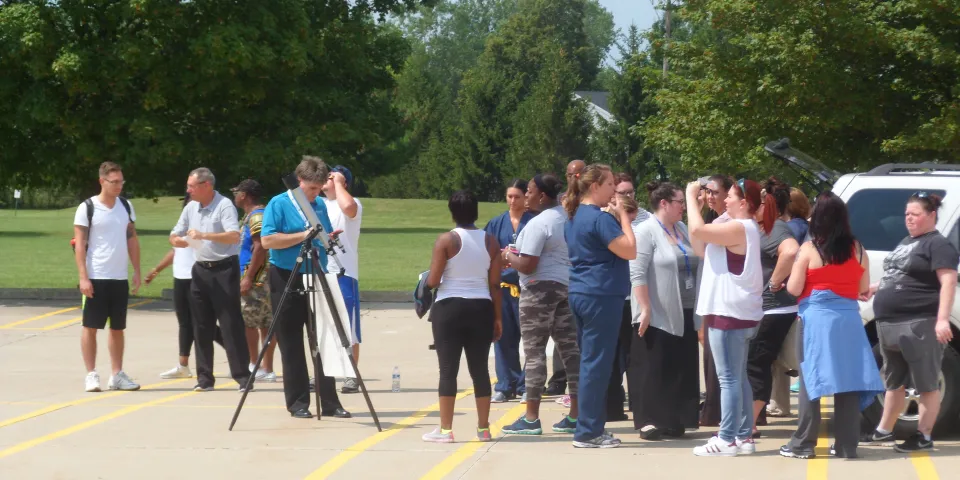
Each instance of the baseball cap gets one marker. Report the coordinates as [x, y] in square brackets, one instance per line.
[250, 187]
[345, 172]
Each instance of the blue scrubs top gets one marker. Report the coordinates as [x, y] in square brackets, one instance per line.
[502, 229]
[594, 269]
[282, 216]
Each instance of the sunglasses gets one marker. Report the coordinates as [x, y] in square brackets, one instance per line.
[920, 195]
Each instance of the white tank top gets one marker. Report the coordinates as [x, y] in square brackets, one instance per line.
[729, 295]
[466, 274]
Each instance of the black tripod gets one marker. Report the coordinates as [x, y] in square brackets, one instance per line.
[313, 273]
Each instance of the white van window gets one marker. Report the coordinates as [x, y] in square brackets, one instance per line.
[876, 216]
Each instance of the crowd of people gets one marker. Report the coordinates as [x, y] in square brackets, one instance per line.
[626, 291]
[622, 291]
[228, 275]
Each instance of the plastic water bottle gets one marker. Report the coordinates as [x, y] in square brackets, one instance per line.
[396, 379]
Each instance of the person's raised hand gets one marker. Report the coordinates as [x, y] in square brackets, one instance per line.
[339, 179]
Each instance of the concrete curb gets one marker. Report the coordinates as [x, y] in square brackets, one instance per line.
[167, 294]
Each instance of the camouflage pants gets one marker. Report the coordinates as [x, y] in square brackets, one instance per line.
[544, 313]
[257, 312]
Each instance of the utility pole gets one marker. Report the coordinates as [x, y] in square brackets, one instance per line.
[666, 25]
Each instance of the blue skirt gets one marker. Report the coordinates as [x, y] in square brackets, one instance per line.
[837, 357]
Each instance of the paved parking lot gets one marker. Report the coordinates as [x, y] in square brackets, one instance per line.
[51, 429]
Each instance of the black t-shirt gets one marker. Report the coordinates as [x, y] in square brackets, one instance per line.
[768, 262]
[910, 288]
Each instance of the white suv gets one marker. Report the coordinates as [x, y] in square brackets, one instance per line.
[876, 201]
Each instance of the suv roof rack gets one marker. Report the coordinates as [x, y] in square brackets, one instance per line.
[925, 168]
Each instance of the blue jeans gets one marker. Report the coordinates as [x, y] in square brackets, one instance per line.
[736, 396]
[510, 374]
[598, 329]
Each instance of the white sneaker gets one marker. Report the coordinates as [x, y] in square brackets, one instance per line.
[716, 447]
[121, 381]
[180, 371]
[746, 447]
[93, 382]
[267, 377]
[260, 375]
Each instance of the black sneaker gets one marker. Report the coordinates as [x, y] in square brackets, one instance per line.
[554, 390]
[916, 443]
[877, 438]
[786, 451]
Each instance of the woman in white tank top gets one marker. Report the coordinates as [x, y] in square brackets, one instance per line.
[731, 304]
[466, 316]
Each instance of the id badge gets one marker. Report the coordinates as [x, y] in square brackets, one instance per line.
[689, 282]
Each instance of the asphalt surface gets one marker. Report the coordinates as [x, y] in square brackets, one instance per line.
[51, 429]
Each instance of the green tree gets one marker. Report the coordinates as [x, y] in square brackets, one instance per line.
[243, 87]
[540, 34]
[855, 83]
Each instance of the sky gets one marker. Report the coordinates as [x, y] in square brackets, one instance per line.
[625, 12]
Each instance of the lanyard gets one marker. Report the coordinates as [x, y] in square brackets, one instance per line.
[676, 235]
[306, 224]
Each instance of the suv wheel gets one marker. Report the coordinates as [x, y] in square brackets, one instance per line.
[909, 418]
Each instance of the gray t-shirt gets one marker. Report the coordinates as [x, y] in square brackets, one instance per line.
[218, 217]
[543, 237]
[768, 261]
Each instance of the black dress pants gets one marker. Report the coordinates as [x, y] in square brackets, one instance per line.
[291, 321]
[215, 296]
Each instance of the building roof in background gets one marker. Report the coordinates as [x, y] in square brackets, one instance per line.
[598, 103]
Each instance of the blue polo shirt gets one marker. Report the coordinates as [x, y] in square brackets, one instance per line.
[283, 216]
[594, 269]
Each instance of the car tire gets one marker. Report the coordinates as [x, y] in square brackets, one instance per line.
[949, 415]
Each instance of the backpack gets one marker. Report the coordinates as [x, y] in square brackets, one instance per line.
[89, 203]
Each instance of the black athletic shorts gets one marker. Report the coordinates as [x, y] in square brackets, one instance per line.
[109, 302]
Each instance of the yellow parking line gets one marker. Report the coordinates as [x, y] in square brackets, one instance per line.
[467, 451]
[96, 421]
[352, 451]
[923, 464]
[38, 317]
[92, 398]
[817, 466]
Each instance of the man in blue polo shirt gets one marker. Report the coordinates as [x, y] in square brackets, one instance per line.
[284, 231]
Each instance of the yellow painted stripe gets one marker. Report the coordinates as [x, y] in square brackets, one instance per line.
[67, 323]
[817, 466]
[93, 397]
[352, 451]
[923, 464]
[38, 317]
[96, 421]
[463, 453]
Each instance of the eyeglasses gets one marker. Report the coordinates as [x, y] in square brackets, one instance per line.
[626, 193]
[920, 195]
[115, 182]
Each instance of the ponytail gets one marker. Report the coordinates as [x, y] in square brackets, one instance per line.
[580, 185]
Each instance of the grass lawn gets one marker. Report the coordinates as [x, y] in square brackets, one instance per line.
[395, 242]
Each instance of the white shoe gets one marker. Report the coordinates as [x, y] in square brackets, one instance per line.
[180, 371]
[121, 381]
[260, 375]
[716, 447]
[746, 447]
[267, 377]
[93, 382]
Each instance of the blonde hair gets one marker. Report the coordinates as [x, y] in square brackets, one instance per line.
[580, 185]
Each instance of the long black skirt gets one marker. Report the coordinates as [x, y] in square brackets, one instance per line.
[664, 378]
